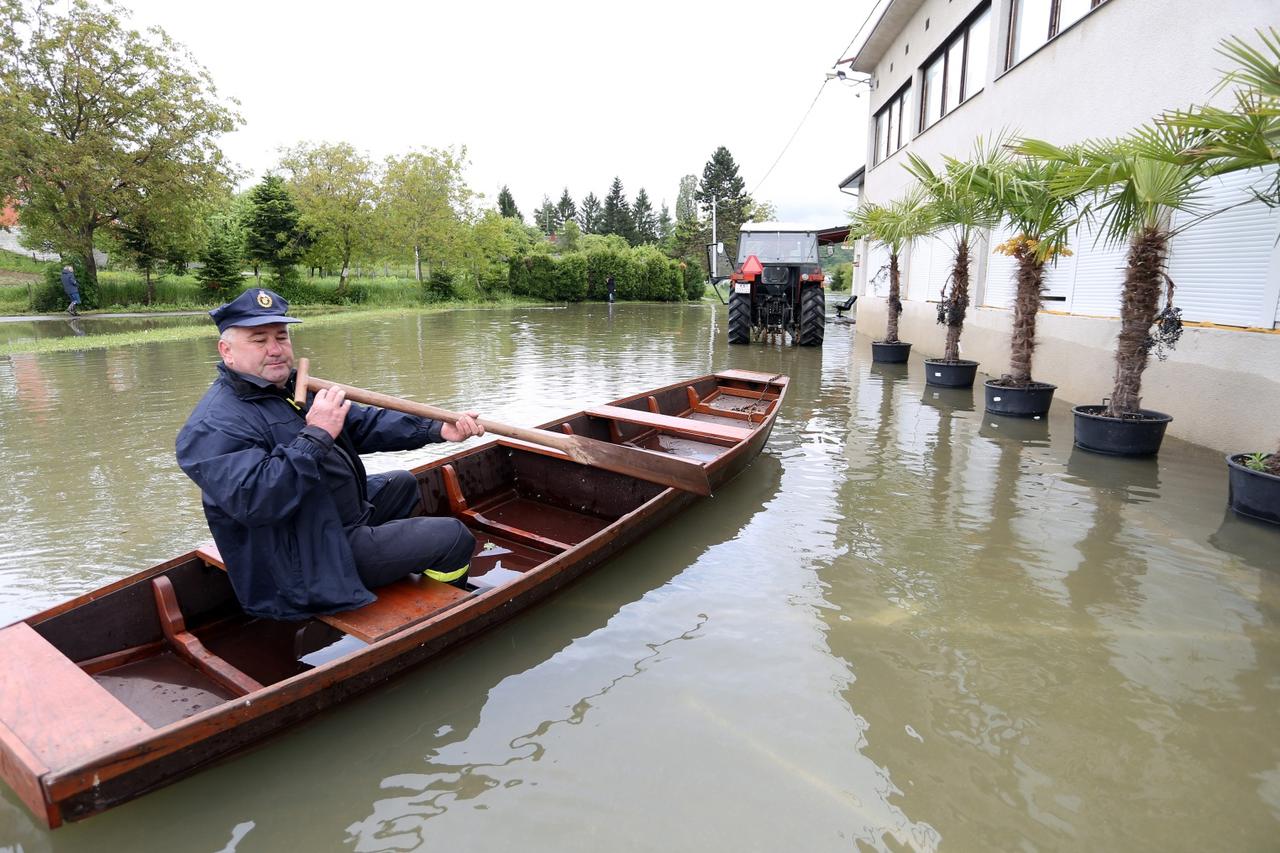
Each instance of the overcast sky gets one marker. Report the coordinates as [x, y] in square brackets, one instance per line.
[545, 95]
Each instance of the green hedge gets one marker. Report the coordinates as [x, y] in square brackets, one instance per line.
[642, 273]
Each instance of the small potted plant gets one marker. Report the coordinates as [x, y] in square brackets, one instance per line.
[1254, 485]
[893, 225]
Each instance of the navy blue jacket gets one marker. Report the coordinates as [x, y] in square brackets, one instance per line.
[269, 508]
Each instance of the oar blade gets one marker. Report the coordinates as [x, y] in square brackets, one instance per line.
[646, 465]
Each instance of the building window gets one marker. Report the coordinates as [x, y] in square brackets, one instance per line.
[1032, 23]
[956, 71]
[890, 134]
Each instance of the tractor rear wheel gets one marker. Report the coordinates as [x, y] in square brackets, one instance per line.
[813, 316]
[740, 318]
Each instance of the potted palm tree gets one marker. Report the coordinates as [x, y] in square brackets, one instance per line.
[962, 213]
[1134, 185]
[1022, 189]
[1245, 135]
[893, 225]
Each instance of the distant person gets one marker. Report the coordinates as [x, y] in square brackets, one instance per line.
[72, 289]
[611, 285]
[300, 526]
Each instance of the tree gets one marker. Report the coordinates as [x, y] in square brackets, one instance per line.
[723, 188]
[591, 216]
[1134, 185]
[425, 201]
[616, 217]
[566, 210]
[686, 199]
[163, 230]
[498, 239]
[335, 187]
[665, 225]
[273, 229]
[1041, 219]
[222, 258]
[646, 224]
[963, 213]
[507, 204]
[546, 216]
[98, 120]
[894, 225]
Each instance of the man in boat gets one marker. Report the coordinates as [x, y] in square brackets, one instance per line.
[300, 526]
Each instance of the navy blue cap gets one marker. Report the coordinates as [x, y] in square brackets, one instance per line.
[256, 307]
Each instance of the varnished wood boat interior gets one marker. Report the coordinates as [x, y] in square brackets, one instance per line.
[171, 642]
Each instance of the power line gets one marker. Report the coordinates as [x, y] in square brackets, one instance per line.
[875, 5]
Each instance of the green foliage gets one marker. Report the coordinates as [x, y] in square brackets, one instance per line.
[425, 206]
[507, 204]
[273, 229]
[695, 281]
[566, 210]
[51, 297]
[721, 182]
[570, 279]
[80, 97]
[440, 286]
[591, 215]
[646, 223]
[616, 216]
[1256, 461]
[222, 261]
[842, 280]
[334, 188]
[603, 260]
[895, 224]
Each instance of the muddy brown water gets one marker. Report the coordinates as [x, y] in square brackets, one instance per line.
[906, 626]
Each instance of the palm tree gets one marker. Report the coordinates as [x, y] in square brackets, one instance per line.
[1135, 186]
[964, 213]
[894, 225]
[1247, 136]
[1021, 189]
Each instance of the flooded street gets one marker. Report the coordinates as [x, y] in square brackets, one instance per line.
[907, 625]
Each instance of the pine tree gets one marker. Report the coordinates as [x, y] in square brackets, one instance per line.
[222, 260]
[721, 183]
[507, 204]
[274, 234]
[590, 216]
[546, 217]
[646, 224]
[664, 223]
[566, 210]
[617, 213]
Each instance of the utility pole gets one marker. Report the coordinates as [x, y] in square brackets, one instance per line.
[715, 245]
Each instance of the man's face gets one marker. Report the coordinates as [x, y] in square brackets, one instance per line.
[263, 351]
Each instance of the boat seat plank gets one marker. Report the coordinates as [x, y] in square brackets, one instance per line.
[748, 376]
[45, 701]
[400, 605]
[667, 423]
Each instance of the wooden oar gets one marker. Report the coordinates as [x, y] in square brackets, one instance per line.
[634, 462]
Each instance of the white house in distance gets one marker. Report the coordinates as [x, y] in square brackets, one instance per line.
[945, 72]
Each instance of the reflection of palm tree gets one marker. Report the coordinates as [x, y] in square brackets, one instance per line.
[444, 784]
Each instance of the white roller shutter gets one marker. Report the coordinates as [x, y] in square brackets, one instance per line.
[1001, 271]
[1098, 275]
[877, 260]
[918, 276]
[1220, 266]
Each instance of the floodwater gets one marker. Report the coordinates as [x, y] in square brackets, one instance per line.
[906, 626]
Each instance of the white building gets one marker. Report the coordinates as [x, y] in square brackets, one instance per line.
[945, 72]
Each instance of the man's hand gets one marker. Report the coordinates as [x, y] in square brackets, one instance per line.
[329, 410]
[463, 428]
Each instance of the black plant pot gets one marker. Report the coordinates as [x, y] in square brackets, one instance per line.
[950, 374]
[1251, 493]
[1030, 402]
[1137, 435]
[890, 353]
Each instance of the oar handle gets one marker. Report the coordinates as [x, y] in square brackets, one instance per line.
[386, 401]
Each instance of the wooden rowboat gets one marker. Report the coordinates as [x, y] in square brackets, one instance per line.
[138, 683]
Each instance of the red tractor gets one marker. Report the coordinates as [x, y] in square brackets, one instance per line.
[778, 284]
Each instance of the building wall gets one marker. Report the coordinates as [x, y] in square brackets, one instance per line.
[1121, 65]
[1221, 386]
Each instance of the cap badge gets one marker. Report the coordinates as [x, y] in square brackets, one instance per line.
[264, 299]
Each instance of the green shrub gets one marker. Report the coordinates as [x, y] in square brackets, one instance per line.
[695, 283]
[601, 262]
[89, 293]
[542, 277]
[843, 277]
[571, 278]
[439, 286]
[654, 275]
